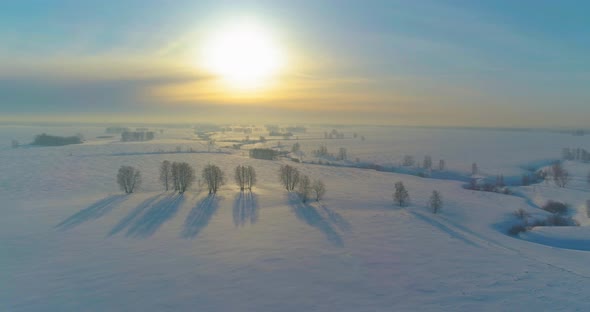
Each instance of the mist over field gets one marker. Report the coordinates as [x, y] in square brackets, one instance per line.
[327, 155]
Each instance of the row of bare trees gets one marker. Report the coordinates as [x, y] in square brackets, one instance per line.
[179, 176]
[290, 178]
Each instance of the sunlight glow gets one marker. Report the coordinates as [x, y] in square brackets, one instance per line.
[244, 54]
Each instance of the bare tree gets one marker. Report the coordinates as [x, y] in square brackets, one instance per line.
[441, 165]
[210, 145]
[289, 177]
[251, 178]
[166, 173]
[427, 163]
[409, 161]
[305, 189]
[561, 177]
[500, 181]
[435, 201]
[474, 169]
[342, 154]
[213, 176]
[245, 177]
[296, 147]
[401, 196]
[319, 189]
[128, 179]
[183, 176]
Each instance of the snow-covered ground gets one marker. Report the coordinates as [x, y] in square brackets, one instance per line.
[70, 241]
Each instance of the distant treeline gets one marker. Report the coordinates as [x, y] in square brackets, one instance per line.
[116, 130]
[134, 136]
[53, 140]
[263, 153]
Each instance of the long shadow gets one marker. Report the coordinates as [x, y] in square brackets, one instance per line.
[452, 233]
[156, 215]
[126, 222]
[312, 217]
[92, 212]
[337, 219]
[200, 216]
[245, 208]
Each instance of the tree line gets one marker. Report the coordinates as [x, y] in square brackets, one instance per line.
[179, 176]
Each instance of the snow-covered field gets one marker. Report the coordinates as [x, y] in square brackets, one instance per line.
[70, 241]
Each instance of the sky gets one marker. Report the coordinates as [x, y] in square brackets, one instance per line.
[435, 63]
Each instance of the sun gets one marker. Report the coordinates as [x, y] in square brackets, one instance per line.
[244, 54]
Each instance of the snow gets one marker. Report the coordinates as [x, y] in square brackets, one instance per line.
[70, 241]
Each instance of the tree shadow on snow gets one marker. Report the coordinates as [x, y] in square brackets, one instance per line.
[92, 212]
[245, 208]
[154, 216]
[200, 216]
[310, 215]
[132, 216]
[336, 219]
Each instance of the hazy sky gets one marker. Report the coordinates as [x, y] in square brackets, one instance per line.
[476, 63]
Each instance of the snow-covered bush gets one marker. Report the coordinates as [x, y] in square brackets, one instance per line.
[517, 229]
[557, 220]
[522, 214]
[555, 207]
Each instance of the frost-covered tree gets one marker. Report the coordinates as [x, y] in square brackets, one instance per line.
[213, 176]
[400, 195]
[427, 163]
[289, 177]
[245, 177]
[166, 173]
[319, 189]
[296, 147]
[435, 201]
[304, 189]
[128, 179]
[561, 177]
[183, 176]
